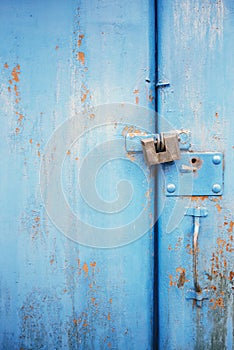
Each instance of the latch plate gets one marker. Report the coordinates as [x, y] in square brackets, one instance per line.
[195, 174]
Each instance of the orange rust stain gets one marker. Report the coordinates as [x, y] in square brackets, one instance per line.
[15, 73]
[86, 269]
[90, 286]
[137, 100]
[65, 291]
[136, 91]
[37, 219]
[10, 81]
[85, 324]
[231, 275]
[16, 90]
[93, 264]
[75, 321]
[93, 300]
[81, 57]
[91, 116]
[171, 283]
[216, 114]
[21, 117]
[31, 141]
[218, 206]
[151, 98]
[217, 303]
[38, 153]
[197, 198]
[221, 242]
[81, 36]
[84, 96]
[17, 130]
[56, 47]
[6, 65]
[189, 249]
[76, 158]
[131, 156]
[108, 316]
[231, 225]
[68, 153]
[17, 100]
[213, 287]
[109, 345]
[9, 89]
[225, 223]
[51, 261]
[110, 301]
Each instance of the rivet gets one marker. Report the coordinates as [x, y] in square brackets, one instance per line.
[216, 188]
[216, 159]
[171, 188]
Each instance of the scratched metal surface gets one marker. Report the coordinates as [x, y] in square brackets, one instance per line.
[57, 58]
[196, 55]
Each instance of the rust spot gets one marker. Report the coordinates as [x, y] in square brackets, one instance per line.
[81, 37]
[218, 206]
[171, 283]
[182, 277]
[38, 153]
[137, 100]
[81, 57]
[51, 261]
[31, 141]
[10, 81]
[6, 65]
[56, 47]
[221, 242]
[16, 90]
[76, 158]
[91, 116]
[197, 198]
[110, 301]
[15, 73]
[93, 300]
[108, 316]
[231, 225]
[216, 114]
[231, 275]
[9, 89]
[17, 130]
[84, 96]
[93, 264]
[85, 324]
[68, 153]
[130, 156]
[136, 91]
[86, 269]
[75, 321]
[109, 345]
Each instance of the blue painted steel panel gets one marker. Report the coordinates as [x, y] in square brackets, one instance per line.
[58, 58]
[196, 55]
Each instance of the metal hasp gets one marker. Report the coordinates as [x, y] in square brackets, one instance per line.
[195, 174]
[162, 150]
[197, 293]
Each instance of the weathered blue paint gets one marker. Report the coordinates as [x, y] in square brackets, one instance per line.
[195, 55]
[58, 58]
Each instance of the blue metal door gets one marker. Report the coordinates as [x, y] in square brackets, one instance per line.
[76, 217]
[195, 230]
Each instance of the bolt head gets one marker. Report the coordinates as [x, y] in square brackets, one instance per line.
[216, 159]
[216, 188]
[171, 188]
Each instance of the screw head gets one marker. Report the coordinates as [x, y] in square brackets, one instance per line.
[216, 159]
[216, 188]
[171, 188]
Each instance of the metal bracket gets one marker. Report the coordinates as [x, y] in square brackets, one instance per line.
[195, 174]
[133, 140]
[198, 296]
